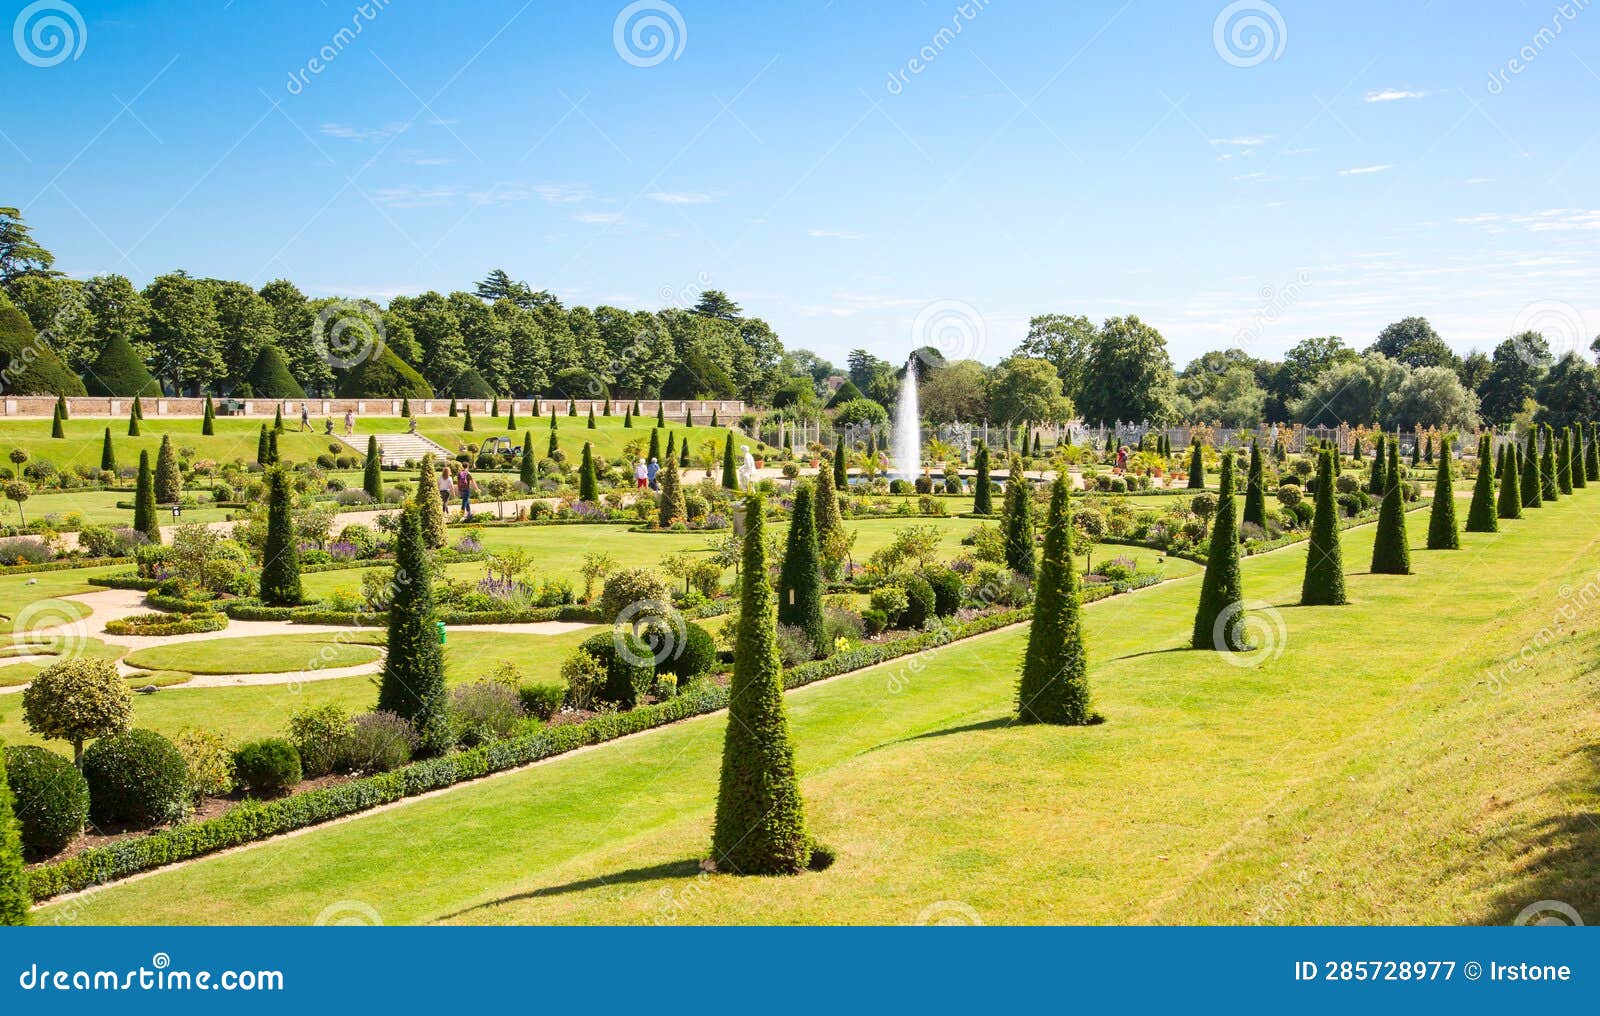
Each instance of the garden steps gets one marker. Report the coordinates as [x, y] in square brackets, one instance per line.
[397, 449]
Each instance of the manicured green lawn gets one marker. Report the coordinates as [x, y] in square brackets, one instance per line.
[260, 654]
[234, 439]
[609, 437]
[99, 507]
[1367, 769]
[38, 590]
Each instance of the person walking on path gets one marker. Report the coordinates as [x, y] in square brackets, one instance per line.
[446, 487]
[327, 425]
[464, 485]
[349, 422]
[653, 472]
[305, 418]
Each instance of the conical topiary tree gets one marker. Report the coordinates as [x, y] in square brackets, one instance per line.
[760, 823]
[591, 418]
[57, 424]
[494, 407]
[1255, 493]
[670, 504]
[1509, 503]
[1416, 453]
[554, 443]
[1219, 620]
[405, 407]
[683, 455]
[372, 470]
[108, 454]
[145, 519]
[825, 506]
[1197, 466]
[1054, 685]
[277, 419]
[272, 447]
[15, 901]
[588, 482]
[138, 407]
[412, 683]
[841, 477]
[627, 419]
[280, 557]
[1378, 483]
[1018, 522]
[169, 483]
[1323, 584]
[269, 377]
[672, 445]
[119, 372]
[1548, 489]
[133, 422]
[661, 414]
[208, 419]
[430, 507]
[800, 580]
[527, 470]
[655, 445]
[453, 410]
[983, 487]
[1591, 456]
[1528, 471]
[1391, 552]
[1563, 462]
[1442, 531]
[730, 473]
[466, 421]
[1575, 456]
[511, 417]
[572, 407]
[1481, 516]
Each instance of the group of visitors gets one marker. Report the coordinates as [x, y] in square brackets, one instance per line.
[327, 423]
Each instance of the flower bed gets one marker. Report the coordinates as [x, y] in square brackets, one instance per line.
[167, 624]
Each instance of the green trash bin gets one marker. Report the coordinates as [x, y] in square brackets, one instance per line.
[441, 631]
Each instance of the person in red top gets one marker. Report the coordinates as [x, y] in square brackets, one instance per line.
[464, 486]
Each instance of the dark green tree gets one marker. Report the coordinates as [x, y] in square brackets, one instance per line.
[627, 419]
[511, 417]
[277, 419]
[263, 448]
[133, 423]
[554, 443]
[1378, 483]
[1481, 515]
[661, 414]
[670, 504]
[108, 454]
[57, 426]
[1255, 493]
[591, 418]
[145, 519]
[453, 410]
[412, 684]
[430, 506]
[169, 483]
[1549, 490]
[588, 483]
[372, 470]
[655, 445]
[1528, 470]
[1563, 462]
[800, 580]
[208, 420]
[1018, 522]
[1442, 531]
[1197, 466]
[466, 422]
[405, 407]
[1591, 456]
[983, 487]
[272, 447]
[1509, 504]
[760, 823]
[1219, 620]
[1575, 456]
[1391, 553]
[280, 557]
[1054, 686]
[15, 901]
[1323, 584]
[730, 473]
[527, 468]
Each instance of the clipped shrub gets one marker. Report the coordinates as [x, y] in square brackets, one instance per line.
[51, 799]
[137, 777]
[631, 586]
[891, 601]
[31, 367]
[629, 662]
[483, 711]
[383, 375]
[921, 605]
[874, 622]
[269, 376]
[379, 742]
[208, 761]
[541, 700]
[76, 700]
[946, 586]
[118, 372]
[269, 766]
[698, 655]
[321, 737]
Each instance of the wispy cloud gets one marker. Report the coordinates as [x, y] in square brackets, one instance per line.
[563, 193]
[1393, 95]
[679, 197]
[598, 218]
[414, 197]
[1246, 141]
[350, 132]
[835, 234]
[1364, 170]
[432, 160]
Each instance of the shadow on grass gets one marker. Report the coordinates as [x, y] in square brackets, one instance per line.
[1563, 854]
[670, 869]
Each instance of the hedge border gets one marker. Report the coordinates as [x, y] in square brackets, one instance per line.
[184, 624]
[61, 564]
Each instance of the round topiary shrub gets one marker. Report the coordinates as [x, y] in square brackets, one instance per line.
[52, 799]
[629, 662]
[698, 655]
[946, 586]
[137, 777]
[268, 766]
[629, 587]
[920, 603]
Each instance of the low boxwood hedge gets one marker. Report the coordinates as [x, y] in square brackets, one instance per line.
[167, 624]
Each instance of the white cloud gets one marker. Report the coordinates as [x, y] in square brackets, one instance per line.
[1474, 181]
[679, 198]
[1393, 95]
[1251, 176]
[1363, 170]
[598, 218]
[350, 132]
[834, 234]
[413, 197]
[1242, 142]
[563, 193]
[432, 160]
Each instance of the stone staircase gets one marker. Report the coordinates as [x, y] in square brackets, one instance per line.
[398, 449]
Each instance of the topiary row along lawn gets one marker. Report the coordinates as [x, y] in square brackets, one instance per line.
[1328, 783]
[235, 438]
[609, 437]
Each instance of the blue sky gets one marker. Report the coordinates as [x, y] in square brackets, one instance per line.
[1374, 160]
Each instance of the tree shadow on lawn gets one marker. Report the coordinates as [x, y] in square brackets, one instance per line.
[670, 869]
[1562, 853]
